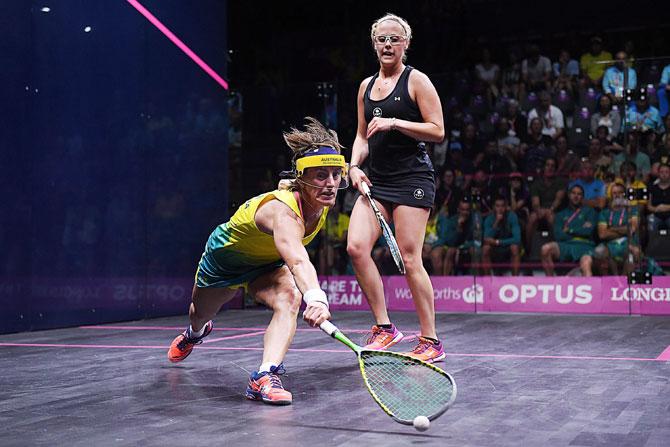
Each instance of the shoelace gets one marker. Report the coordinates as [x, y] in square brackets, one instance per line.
[273, 375]
[422, 346]
[275, 381]
[378, 332]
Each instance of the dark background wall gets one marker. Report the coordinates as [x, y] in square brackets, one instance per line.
[113, 158]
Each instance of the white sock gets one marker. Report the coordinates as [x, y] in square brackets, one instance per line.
[197, 334]
[266, 367]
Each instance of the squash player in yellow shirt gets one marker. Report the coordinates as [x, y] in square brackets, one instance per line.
[262, 248]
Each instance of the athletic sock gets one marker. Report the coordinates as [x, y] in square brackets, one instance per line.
[265, 367]
[434, 341]
[385, 326]
[194, 334]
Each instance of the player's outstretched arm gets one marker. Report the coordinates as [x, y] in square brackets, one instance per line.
[288, 230]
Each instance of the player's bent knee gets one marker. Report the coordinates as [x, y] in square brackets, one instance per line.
[357, 250]
[412, 261]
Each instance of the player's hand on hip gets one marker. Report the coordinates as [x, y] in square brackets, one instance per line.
[316, 313]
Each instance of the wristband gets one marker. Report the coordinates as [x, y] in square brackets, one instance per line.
[354, 166]
[313, 295]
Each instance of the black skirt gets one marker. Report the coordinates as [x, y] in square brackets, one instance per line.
[415, 189]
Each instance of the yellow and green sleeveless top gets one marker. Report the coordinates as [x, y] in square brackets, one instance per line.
[238, 252]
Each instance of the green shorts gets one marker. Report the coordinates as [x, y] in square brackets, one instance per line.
[618, 248]
[214, 273]
[573, 251]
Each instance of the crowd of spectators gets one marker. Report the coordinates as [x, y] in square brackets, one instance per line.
[547, 166]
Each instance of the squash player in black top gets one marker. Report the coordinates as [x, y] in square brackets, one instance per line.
[399, 111]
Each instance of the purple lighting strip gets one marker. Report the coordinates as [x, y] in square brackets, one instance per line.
[181, 45]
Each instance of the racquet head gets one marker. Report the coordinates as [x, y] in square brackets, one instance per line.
[405, 387]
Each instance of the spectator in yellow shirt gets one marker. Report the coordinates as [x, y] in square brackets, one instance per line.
[591, 64]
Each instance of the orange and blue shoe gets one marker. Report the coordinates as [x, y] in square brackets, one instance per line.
[183, 344]
[428, 351]
[382, 338]
[267, 386]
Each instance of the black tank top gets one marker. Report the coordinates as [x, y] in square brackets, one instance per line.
[394, 153]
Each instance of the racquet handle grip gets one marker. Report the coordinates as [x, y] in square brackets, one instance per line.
[365, 188]
[328, 327]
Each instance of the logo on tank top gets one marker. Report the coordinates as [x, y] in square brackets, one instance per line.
[418, 193]
[377, 111]
[397, 98]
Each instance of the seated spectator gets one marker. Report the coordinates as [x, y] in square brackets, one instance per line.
[546, 194]
[565, 71]
[616, 225]
[457, 236]
[613, 79]
[333, 246]
[591, 64]
[606, 116]
[483, 190]
[502, 237]
[573, 231]
[609, 145]
[551, 116]
[593, 189]
[536, 149]
[598, 159]
[508, 142]
[633, 154]
[644, 117]
[462, 167]
[536, 70]
[658, 205]
[473, 148]
[627, 177]
[495, 164]
[517, 120]
[518, 197]
[568, 161]
[448, 194]
[660, 156]
[511, 78]
[488, 73]
[429, 239]
[664, 91]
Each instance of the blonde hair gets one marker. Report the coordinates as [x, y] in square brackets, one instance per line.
[389, 16]
[392, 17]
[300, 141]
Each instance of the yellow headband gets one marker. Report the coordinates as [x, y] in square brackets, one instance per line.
[314, 161]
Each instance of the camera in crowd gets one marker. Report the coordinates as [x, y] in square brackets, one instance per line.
[637, 194]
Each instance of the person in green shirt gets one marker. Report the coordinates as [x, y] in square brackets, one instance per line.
[457, 235]
[615, 224]
[573, 233]
[546, 194]
[502, 237]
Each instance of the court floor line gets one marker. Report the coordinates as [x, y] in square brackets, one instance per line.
[181, 328]
[233, 337]
[232, 348]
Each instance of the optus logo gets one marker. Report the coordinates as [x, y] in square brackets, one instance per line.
[546, 293]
